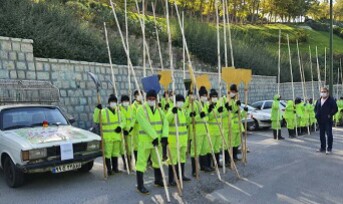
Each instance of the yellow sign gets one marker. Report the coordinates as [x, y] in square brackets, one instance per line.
[203, 80]
[166, 78]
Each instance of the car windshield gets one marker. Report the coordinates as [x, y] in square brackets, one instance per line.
[24, 117]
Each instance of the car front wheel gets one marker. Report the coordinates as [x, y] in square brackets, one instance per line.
[14, 177]
[86, 167]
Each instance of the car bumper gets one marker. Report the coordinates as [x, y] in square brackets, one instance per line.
[46, 166]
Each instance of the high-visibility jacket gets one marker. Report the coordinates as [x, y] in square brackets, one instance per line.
[128, 113]
[215, 119]
[299, 108]
[289, 115]
[111, 119]
[96, 115]
[164, 102]
[182, 124]
[152, 125]
[276, 114]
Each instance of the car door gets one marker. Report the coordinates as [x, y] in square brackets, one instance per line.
[267, 107]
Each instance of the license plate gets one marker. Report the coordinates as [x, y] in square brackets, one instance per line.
[66, 167]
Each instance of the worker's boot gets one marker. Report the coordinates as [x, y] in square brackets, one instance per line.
[158, 177]
[171, 176]
[140, 183]
[115, 164]
[108, 166]
[184, 178]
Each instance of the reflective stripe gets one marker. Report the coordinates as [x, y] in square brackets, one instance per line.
[143, 132]
[200, 122]
[180, 133]
[111, 123]
[180, 125]
[213, 123]
[156, 123]
[108, 131]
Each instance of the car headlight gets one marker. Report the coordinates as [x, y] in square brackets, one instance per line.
[34, 154]
[94, 145]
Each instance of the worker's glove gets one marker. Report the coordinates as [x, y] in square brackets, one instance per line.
[202, 114]
[228, 107]
[210, 108]
[164, 141]
[295, 112]
[192, 114]
[238, 103]
[167, 106]
[174, 110]
[155, 142]
[220, 109]
[99, 106]
[118, 129]
[245, 109]
[159, 105]
[126, 133]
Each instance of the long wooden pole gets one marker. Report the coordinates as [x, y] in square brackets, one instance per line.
[292, 80]
[171, 62]
[116, 93]
[194, 80]
[138, 87]
[325, 68]
[225, 33]
[278, 83]
[318, 71]
[311, 66]
[146, 50]
[219, 74]
[230, 36]
[157, 37]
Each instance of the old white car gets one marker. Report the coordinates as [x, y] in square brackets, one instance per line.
[40, 138]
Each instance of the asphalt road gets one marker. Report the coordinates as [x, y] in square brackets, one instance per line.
[289, 171]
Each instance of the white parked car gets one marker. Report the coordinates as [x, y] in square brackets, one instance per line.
[260, 118]
[39, 138]
[266, 107]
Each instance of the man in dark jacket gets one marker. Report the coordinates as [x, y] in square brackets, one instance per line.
[325, 109]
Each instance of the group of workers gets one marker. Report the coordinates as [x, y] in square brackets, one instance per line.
[299, 116]
[170, 130]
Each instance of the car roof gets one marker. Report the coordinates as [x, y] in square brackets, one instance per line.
[9, 106]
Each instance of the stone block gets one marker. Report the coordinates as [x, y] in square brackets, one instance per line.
[83, 101]
[80, 109]
[3, 54]
[31, 66]
[63, 93]
[21, 56]
[31, 75]
[8, 64]
[4, 74]
[6, 45]
[39, 66]
[43, 75]
[46, 67]
[16, 46]
[26, 47]
[87, 93]
[29, 57]
[13, 74]
[65, 84]
[21, 74]
[21, 65]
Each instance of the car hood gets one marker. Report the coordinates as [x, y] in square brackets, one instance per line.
[39, 137]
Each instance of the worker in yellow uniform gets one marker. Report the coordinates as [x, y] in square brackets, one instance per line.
[214, 120]
[182, 122]
[234, 107]
[153, 130]
[127, 111]
[135, 132]
[113, 123]
[199, 113]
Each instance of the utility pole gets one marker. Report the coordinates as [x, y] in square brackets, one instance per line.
[331, 50]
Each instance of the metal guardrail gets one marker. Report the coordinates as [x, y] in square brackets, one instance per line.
[27, 91]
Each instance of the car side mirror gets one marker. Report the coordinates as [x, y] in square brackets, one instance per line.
[71, 120]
